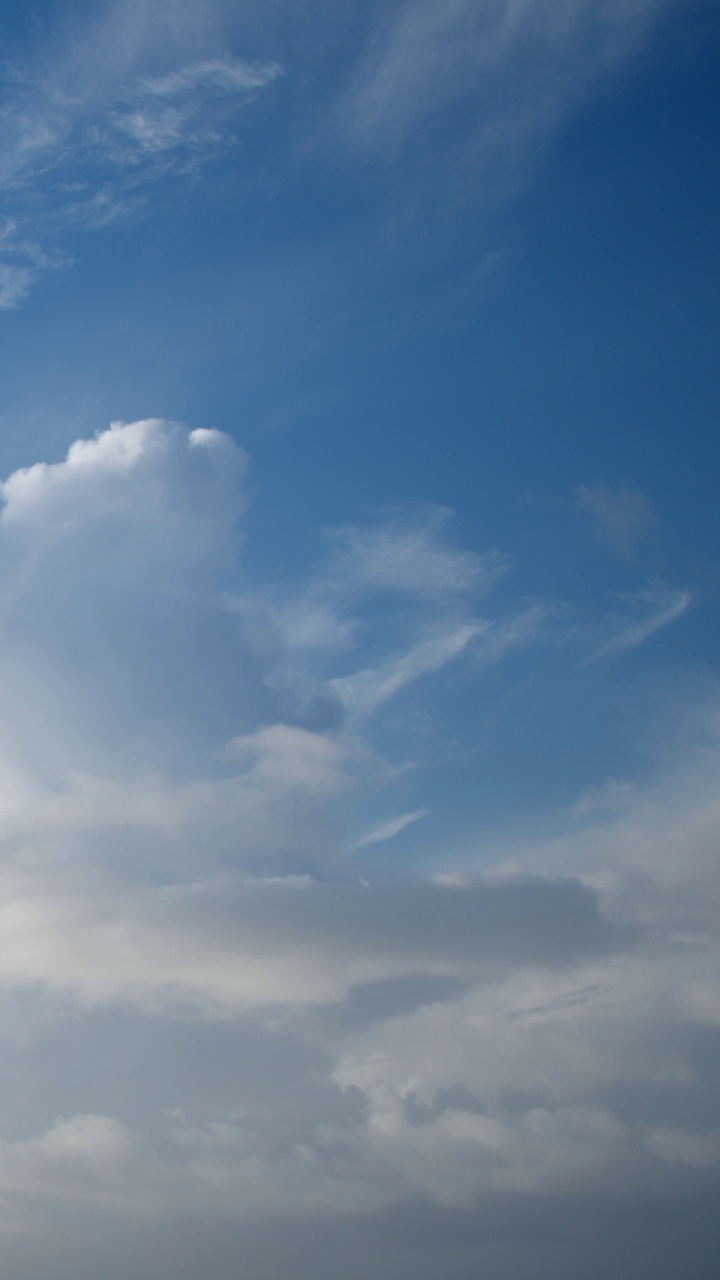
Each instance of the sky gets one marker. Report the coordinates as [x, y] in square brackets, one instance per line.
[359, 685]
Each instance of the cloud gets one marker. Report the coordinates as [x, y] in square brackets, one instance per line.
[397, 583]
[76, 153]
[234, 943]
[16, 282]
[611, 795]
[117, 472]
[386, 830]
[411, 555]
[660, 605]
[571, 1061]
[364, 691]
[623, 516]
[220, 73]
[132, 93]
[22, 262]
[490, 82]
[208, 1013]
[178, 119]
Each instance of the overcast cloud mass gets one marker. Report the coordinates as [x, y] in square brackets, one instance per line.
[359, 699]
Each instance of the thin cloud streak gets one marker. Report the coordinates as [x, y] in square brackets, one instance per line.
[495, 81]
[665, 605]
[364, 691]
[387, 830]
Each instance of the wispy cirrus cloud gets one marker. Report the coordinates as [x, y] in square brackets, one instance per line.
[651, 609]
[503, 76]
[136, 92]
[364, 691]
[81, 162]
[182, 117]
[396, 591]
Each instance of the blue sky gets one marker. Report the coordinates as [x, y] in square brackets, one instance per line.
[359, 702]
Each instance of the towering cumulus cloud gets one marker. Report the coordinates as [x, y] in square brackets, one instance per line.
[212, 1015]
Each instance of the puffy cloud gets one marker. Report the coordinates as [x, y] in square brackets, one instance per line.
[134, 527]
[173, 481]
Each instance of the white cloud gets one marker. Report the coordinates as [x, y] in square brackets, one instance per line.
[364, 691]
[392, 827]
[15, 283]
[411, 555]
[658, 605]
[504, 75]
[174, 893]
[130, 468]
[134, 92]
[22, 261]
[82, 152]
[398, 584]
[222, 73]
[177, 119]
